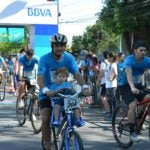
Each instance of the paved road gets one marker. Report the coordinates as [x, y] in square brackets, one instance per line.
[96, 134]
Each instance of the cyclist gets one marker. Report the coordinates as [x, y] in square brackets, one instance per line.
[2, 63]
[48, 65]
[61, 83]
[27, 69]
[131, 82]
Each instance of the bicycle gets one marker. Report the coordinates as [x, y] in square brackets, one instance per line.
[31, 108]
[120, 126]
[65, 137]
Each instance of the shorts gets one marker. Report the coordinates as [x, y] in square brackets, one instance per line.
[103, 90]
[58, 101]
[45, 103]
[127, 94]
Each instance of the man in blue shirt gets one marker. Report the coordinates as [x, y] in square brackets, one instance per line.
[131, 82]
[47, 67]
[27, 69]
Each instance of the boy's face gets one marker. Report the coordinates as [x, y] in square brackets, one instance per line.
[61, 77]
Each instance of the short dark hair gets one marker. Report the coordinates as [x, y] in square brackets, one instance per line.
[105, 54]
[140, 44]
[120, 54]
[30, 52]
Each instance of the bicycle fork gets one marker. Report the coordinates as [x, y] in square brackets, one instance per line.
[143, 117]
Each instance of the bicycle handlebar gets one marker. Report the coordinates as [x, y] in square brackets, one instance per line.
[147, 91]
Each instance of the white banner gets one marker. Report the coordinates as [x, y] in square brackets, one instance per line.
[28, 12]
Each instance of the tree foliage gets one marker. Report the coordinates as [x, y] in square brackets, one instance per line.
[116, 17]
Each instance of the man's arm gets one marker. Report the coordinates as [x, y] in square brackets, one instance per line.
[40, 81]
[130, 80]
[79, 79]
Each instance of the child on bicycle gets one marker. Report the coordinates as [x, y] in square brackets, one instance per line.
[62, 86]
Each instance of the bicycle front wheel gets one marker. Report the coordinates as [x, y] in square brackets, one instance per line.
[21, 114]
[2, 90]
[36, 118]
[120, 126]
[72, 141]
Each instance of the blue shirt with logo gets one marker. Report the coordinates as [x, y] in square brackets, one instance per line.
[48, 66]
[28, 66]
[138, 68]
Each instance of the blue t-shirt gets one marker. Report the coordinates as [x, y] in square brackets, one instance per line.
[28, 66]
[138, 68]
[1, 61]
[48, 66]
[65, 85]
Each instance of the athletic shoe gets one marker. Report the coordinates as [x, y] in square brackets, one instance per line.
[134, 137]
[20, 104]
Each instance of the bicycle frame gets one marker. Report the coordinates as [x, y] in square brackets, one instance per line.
[66, 125]
[145, 113]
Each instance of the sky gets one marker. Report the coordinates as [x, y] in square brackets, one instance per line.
[77, 15]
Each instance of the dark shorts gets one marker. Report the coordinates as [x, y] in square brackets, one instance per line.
[127, 94]
[58, 101]
[45, 103]
[103, 90]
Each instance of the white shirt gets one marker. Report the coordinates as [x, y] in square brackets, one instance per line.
[108, 72]
[103, 66]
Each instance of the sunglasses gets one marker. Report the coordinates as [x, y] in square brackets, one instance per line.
[142, 50]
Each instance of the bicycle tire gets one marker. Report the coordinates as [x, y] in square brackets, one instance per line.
[74, 140]
[120, 127]
[21, 113]
[36, 120]
[2, 91]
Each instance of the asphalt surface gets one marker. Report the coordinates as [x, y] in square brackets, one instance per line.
[96, 134]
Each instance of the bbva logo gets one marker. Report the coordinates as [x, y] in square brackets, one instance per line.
[39, 12]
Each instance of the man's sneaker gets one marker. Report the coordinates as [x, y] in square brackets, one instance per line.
[20, 104]
[34, 117]
[134, 137]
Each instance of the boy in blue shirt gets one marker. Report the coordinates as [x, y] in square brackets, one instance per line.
[61, 83]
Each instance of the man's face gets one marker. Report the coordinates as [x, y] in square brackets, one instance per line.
[140, 52]
[29, 57]
[59, 49]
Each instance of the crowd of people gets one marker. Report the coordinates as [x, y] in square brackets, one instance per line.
[115, 73]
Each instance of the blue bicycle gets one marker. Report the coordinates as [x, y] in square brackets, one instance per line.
[64, 137]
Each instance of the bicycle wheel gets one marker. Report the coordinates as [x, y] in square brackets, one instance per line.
[21, 113]
[120, 127]
[71, 140]
[35, 117]
[2, 90]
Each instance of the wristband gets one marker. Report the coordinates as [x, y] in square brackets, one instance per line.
[44, 90]
[85, 86]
